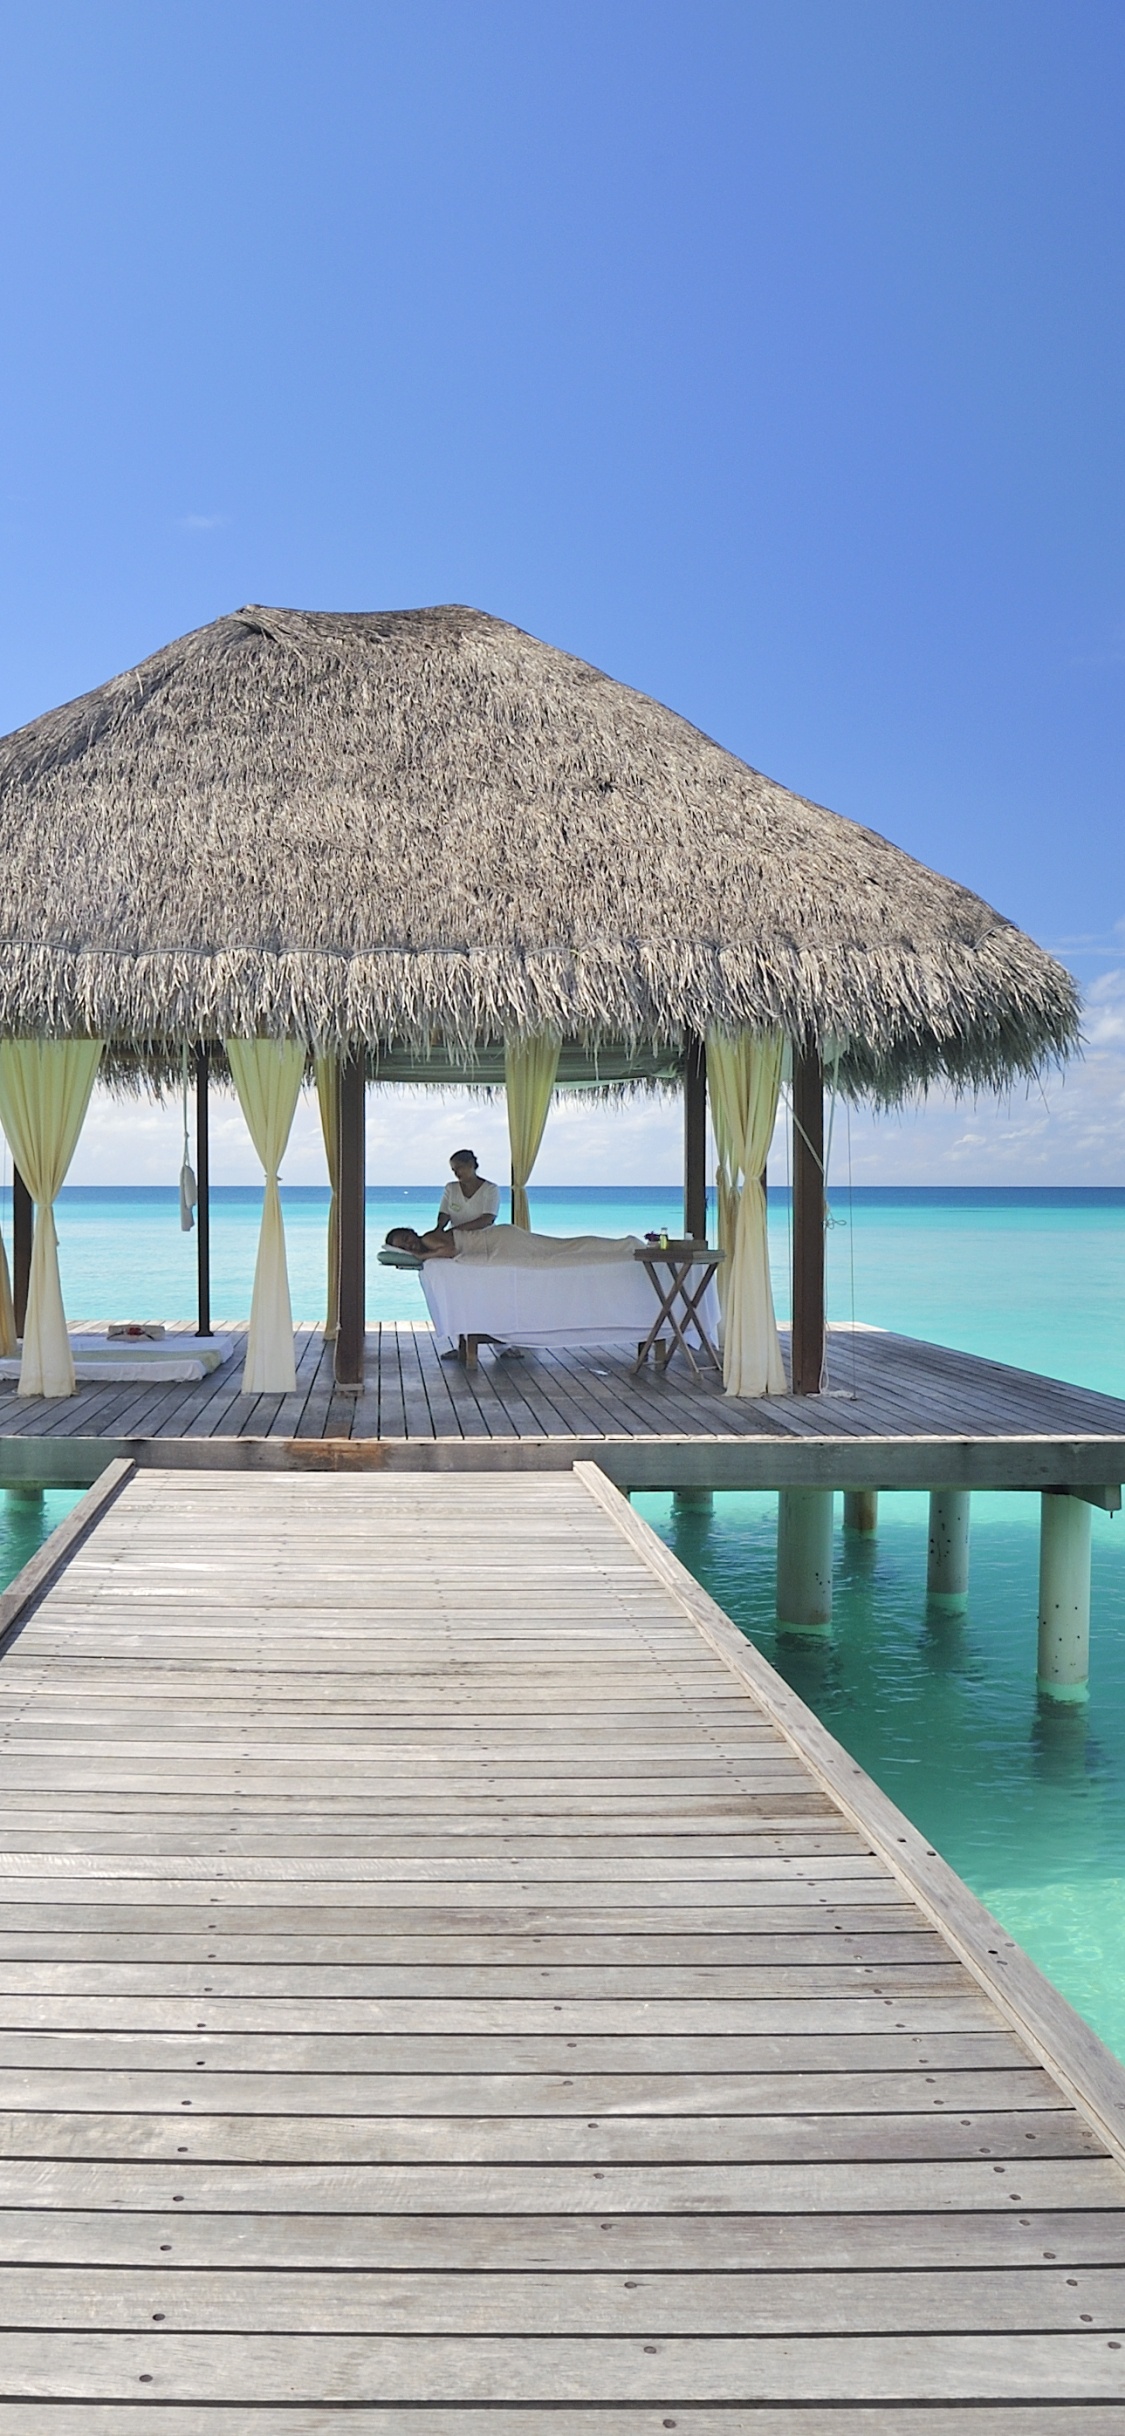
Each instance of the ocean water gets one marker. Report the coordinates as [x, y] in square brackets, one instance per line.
[1026, 1803]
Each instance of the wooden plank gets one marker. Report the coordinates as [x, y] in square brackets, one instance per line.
[974, 2102]
[902, 2367]
[271, 2134]
[417, 2303]
[694, 2244]
[55, 2418]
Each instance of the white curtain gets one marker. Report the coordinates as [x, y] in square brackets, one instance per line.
[744, 1078]
[328, 1102]
[267, 1076]
[45, 1088]
[530, 1067]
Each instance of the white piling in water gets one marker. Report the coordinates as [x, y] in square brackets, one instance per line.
[804, 1559]
[861, 1511]
[947, 1564]
[1064, 1597]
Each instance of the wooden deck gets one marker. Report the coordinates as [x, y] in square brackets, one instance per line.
[897, 1413]
[449, 1982]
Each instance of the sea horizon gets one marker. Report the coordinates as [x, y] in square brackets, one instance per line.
[969, 1195]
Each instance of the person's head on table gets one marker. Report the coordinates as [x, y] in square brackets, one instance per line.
[470, 1201]
[433, 1245]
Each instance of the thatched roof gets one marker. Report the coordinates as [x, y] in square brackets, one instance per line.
[427, 826]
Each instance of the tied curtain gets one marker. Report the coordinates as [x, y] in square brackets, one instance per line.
[328, 1102]
[530, 1067]
[267, 1075]
[45, 1088]
[743, 1080]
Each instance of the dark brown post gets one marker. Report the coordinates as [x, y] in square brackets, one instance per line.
[23, 1229]
[695, 1138]
[350, 1331]
[808, 1221]
[202, 1190]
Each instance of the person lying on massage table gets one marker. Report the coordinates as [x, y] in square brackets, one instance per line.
[513, 1247]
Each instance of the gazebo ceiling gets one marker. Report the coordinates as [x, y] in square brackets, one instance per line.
[427, 827]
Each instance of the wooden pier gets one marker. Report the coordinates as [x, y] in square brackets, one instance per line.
[898, 1414]
[450, 1983]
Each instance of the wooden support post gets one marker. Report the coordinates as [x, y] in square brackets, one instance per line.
[695, 1138]
[808, 1222]
[804, 1559]
[353, 1215]
[202, 1190]
[1064, 1597]
[692, 1502]
[947, 1563]
[23, 1230]
[861, 1511]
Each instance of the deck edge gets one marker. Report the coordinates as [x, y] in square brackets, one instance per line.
[34, 1579]
[1086, 2071]
[669, 1460]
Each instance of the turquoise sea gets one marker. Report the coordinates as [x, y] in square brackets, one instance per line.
[1027, 1804]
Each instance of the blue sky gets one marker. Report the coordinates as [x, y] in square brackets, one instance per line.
[770, 356]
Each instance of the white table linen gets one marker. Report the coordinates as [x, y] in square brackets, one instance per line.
[587, 1301]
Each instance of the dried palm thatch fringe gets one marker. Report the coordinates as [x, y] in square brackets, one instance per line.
[426, 826]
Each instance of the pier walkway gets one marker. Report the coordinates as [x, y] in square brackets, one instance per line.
[450, 1983]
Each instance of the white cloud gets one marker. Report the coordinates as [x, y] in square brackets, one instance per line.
[1104, 1015]
[201, 524]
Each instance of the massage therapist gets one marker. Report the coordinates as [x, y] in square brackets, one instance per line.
[470, 1202]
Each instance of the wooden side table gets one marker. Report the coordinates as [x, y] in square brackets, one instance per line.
[688, 1271]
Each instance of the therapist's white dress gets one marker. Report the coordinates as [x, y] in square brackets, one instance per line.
[484, 1204]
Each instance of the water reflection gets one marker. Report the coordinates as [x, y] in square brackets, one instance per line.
[1063, 1749]
[943, 1641]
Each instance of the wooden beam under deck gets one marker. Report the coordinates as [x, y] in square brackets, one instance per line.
[509, 2019]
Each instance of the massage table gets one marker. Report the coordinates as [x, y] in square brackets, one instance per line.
[594, 1303]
